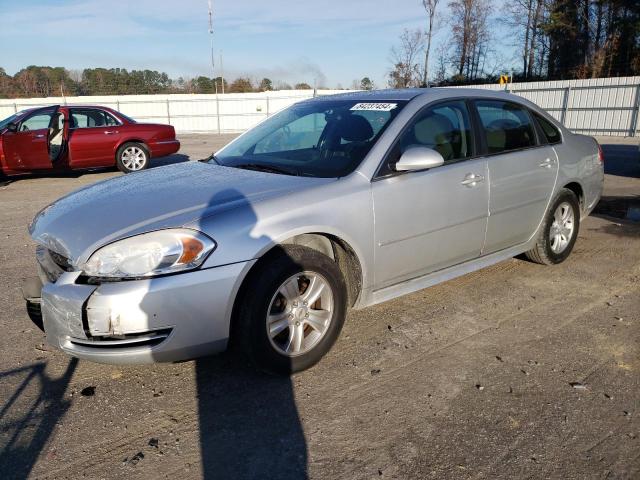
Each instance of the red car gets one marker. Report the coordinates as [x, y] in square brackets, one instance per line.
[66, 137]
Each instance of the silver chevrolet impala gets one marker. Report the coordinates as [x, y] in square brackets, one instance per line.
[337, 202]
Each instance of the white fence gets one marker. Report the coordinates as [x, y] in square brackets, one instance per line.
[598, 106]
[603, 106]
[232, 112]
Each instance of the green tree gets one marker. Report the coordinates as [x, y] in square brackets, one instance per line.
[241, 85]
[266, 85]
[303, 86]
[366, 84]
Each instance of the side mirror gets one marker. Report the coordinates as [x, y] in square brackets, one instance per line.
[419, 158]
[12, 127]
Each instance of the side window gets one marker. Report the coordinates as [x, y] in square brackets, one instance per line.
[301, 134]
[89, 117]
[507, 126]
[551, 133]
[110, 121]
[445, 128]
[37, 122]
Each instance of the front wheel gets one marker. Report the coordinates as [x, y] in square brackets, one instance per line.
[292, 310]
[132, 157]
[559, 230]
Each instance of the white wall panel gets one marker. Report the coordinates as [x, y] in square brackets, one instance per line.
[601, 106]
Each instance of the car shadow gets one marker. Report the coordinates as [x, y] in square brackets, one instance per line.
[154, 163]
[169, 160]
[621, 160]
[623, 212]
[248, 421]
[29, 415]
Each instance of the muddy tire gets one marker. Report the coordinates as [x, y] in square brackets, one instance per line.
[559, 230]
[291, 310]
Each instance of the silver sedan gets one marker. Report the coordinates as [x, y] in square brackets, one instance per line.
[337, 202]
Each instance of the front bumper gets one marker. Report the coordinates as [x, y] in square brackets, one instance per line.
[172, 318]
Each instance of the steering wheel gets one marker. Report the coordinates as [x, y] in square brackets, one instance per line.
[287, 131]
[24, 128]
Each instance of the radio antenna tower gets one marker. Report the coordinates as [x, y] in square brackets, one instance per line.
[213, 61]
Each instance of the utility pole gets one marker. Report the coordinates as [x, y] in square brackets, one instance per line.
[213, 61]
[221, 72]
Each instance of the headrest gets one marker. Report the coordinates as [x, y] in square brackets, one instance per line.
[355, 128]
[433, 130]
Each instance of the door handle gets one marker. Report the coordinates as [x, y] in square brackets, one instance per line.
[472, 179]
[40, 135]
[546, 164]
[110, 132]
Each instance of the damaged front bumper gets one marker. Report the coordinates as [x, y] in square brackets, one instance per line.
[172, 318]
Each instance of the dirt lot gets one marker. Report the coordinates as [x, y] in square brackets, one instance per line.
[515, 371]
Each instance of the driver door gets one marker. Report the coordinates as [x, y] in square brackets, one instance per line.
[28, 148]
[428, 220]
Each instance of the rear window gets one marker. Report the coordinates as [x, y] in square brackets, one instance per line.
[507, 126]
[551, 133]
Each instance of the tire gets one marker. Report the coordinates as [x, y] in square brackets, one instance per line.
[132, 157]
[554, 244]
[292, 318]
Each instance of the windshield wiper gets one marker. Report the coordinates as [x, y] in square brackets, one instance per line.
[259, 167]
[209, 158]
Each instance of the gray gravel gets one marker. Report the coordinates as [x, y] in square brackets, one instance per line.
[515, 371]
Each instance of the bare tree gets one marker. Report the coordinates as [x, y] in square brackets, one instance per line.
[406, 68]
[525, 17]
[470, 28]
[430, 8]
[442, 53]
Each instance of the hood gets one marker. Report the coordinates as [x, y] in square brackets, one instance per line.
[166, 197]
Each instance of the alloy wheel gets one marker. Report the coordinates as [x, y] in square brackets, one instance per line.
[134, 158]
[562, 228]
[300, 313]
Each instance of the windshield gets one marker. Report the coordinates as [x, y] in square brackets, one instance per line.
[321, 138]
[13, 118]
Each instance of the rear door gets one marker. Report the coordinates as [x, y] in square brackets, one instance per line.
[28, 148]
[93, 137]
[522, 173]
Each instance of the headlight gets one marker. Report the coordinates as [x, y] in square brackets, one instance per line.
[150, 254]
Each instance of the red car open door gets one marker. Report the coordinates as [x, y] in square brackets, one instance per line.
[36, 142]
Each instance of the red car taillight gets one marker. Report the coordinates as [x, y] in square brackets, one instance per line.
[600, 155]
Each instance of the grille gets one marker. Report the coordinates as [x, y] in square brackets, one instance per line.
[145, 339]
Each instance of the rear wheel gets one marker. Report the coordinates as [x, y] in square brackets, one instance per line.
[559, 230]
[292, 310]
[132, 157]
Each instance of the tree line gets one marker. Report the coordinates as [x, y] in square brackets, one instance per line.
[554, 39]
[38, 81]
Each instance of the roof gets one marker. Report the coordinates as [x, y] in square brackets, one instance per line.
[411, 93]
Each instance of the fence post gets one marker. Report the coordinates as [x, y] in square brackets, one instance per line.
[565, 104]
[118, 104]
[15, 107]
[267, 106]
[218, 112]
[635, 114]
[168, 113]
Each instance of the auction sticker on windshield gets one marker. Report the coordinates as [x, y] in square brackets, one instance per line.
[376, 107]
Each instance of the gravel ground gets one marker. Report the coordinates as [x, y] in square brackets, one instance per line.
[515, 371]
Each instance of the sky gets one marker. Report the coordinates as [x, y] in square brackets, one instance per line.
[326, 42]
